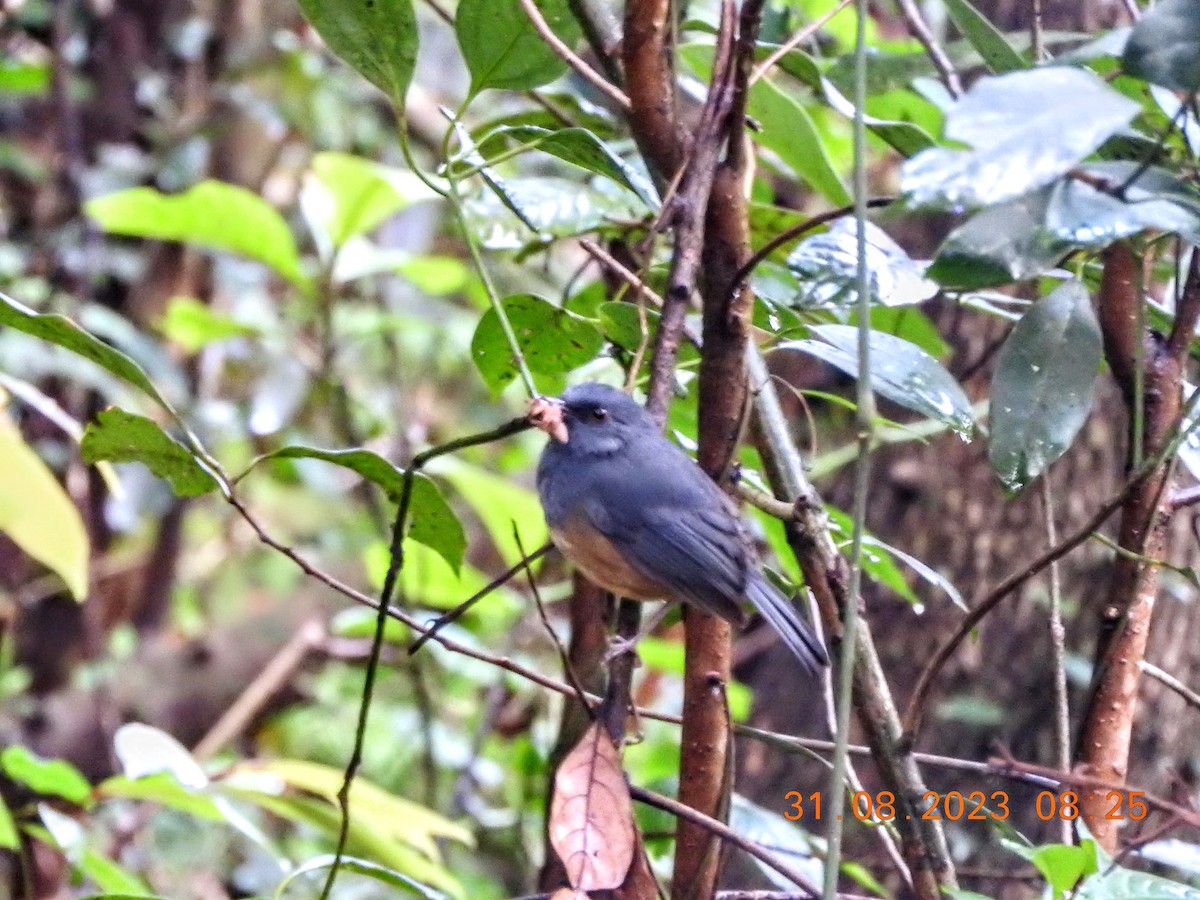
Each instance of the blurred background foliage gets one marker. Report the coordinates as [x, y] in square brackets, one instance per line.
[202, 186]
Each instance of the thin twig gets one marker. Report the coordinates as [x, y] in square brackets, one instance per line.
[920, 30]
[563, 656]
[1058, 641]
[723, 831]
[452, 615]
[914, 715]
[801, 228]
[865, 425]
[567, 55]
[1172, 682]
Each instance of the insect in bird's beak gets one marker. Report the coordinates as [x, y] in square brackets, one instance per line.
[547, 413]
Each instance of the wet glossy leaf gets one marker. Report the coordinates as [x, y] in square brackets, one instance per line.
[552, 340]
[1116, 883]
[577, 146]
[998, 54]
[362, 194]
[1027, 128]
[119, 436]
[826, 265]
[377, 38]
[591, 814]
[911, 324]
[63, 332]
[1042, 389]
[999, 245]
[517, 211]
[504, 50]
[900, 371]
[54, 777]
[37, 514]
[1092, 217]
[431, 520]
[768, 828]
[1164, 47]
[212, 214]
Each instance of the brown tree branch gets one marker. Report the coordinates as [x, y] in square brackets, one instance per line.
[1129, 607]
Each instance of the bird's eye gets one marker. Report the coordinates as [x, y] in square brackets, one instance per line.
[599, 413]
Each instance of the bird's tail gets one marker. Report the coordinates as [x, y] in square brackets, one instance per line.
[792, 630]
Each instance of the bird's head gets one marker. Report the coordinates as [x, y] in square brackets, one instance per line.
[590, 419]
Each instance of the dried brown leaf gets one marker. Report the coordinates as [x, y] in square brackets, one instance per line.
[591, 815]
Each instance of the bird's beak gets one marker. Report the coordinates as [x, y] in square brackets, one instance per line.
[549, 414]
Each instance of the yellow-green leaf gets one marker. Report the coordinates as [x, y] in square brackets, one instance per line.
[37, 514]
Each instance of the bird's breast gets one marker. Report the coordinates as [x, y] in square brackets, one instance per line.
[602, 562]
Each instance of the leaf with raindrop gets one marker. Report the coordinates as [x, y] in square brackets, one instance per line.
[827, 266]
[1042, 390]
[900, 371]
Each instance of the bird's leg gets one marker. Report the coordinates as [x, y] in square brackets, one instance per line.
[618, 646]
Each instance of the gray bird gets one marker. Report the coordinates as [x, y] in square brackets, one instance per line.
[639, 518]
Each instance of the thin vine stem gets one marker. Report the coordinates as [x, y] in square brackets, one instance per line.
[865, 420]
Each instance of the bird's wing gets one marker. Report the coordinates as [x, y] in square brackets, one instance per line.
[698, 550]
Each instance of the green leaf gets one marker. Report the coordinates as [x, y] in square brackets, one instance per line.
[1004, 243]
[66, 334]
[622, 324]
[577, 146]
[516, 211]
[1064, 864]
[1042, 389]
[1164, 47]
[194, 325]
[211, 214]
[789, 130]
[900, 371]
[162, 788]
[9, 838]
[121, 436]
[38, 515]
[388, 815]
[54, 777]
[923, 570]
[499, 502]
[878, 566]
[379, 873]
[998, 54]
[1027, 128]
[504, 50]
[552, 340]
[364, 193]
[431, 520]
[785, 127]
[377, 38]
[110, 877]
